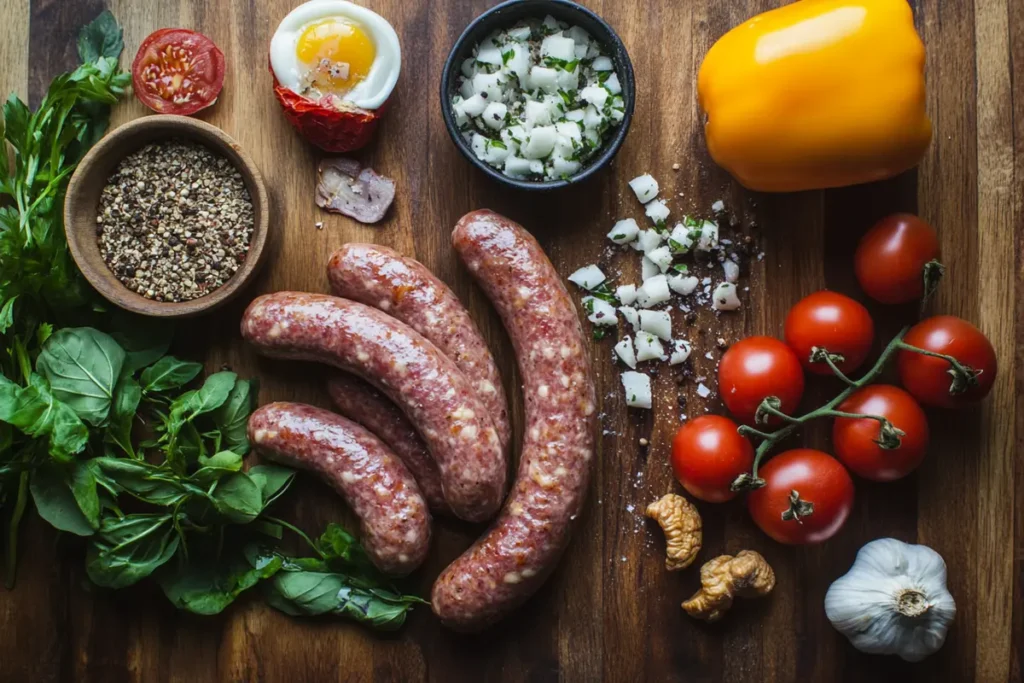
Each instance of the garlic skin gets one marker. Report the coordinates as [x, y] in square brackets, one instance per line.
[893, 600]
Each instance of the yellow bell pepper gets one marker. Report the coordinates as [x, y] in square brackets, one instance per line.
[819, 93]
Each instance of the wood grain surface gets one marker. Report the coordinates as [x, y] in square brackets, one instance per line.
[611, 612]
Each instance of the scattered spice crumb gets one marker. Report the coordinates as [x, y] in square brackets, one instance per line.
[644, 442]
[319, 225]
[675, 167]
[703, 391]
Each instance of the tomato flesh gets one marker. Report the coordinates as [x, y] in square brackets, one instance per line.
[177, 71]
[818, 479]
[891, 258]
[855, 440]
[708, 454]
[928, 378]
[832, 321]
[755, 368]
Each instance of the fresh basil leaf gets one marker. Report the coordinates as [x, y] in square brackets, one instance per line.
[168, 373]
[237, 498]
[232, 418]
[207, 585]
[55, 493]
[149, 483]
[101, 37]
[214, 467]
[305, 593]
[272, 480]
[209, 397]
[127, 395]
[83, 487]
[7, 313]
[82, 365]
[36, 412]
[126, 550]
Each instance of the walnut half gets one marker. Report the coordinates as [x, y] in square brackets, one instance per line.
[747, 575]
[683, 529]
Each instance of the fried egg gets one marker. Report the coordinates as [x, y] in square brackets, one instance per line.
[336, 50]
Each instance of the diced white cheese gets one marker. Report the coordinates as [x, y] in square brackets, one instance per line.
[496, 152]
[550, 23]
[648, 268]
[626, 294]
[520, 33]
[490, 85]
[536, 167]
[681, 350]
[602, 64]
[645, 188]
[648, 240]
[624, 231]
[588, 277]
[624, 350]
[708, 236]
[479, 145]
[466, 89]
[576, 115]
[718, 206]
[592, 118]
[578, 34]
[658, 323]
[458, 108]
[517, 167]
[581, 50]
[638, 389]
[683, 284]
[519, 62]
[489, 53]
[475, 105]
[724, 297]
[599, 311]
[682, 238]
[613, 85]
[631, 316]
[536, 114]
[653, 291]
[618, 110]
[544, 78]
[494, 115]
[595, 95]
[569, 138]
[569, 80]
[509, 137]
[469, 67]
[559, 47]
[662, 257]
[648, 347]
[657, 210]
[732, 270]
[540, 143]
[562, 167]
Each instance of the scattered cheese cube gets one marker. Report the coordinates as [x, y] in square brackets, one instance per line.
[559, 47]
[638, 389]
[541, 142]
[732, 270]
[624, 231]
[661, 257]
[600, 311]
[658, 323]
[718, 206]
[595, 95]
[681, 350]
[613, 85]
[724, 297]
[648, 347]
[645, 188]
[489, 86]
[624, 350]
[708, 236]
[475, 105]
[630, 314]
[542, 78]
[648, 240]
[683, 284]
[602, 64]
[703, 391]
[494, 115]
[626, 294]
[653, 291]
[588, 277]
[657, 211]
[648, 268]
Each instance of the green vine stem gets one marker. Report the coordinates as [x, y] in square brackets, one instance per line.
[964, 377]
[932, 274]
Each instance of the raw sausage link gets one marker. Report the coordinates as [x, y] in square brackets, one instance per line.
[358, 401]
[408, 369]
[514, 558]
[375, 484]
[407, 290]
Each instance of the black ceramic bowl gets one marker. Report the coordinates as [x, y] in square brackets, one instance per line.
[506, 15]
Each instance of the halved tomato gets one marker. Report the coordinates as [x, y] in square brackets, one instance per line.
[177, 71]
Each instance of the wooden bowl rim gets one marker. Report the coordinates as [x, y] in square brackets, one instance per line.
[115, 144]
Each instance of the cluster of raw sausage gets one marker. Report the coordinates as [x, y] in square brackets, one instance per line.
[427, 414]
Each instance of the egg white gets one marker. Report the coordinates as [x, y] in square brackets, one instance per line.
[372, 91]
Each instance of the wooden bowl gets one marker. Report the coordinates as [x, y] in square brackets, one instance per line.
[91, 176]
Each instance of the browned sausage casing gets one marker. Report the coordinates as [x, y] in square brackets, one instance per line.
[376, 485]
[424, 383]
[405, 289]
[358, 401]
[513, 559]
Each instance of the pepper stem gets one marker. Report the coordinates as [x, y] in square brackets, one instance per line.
[964, 376]
[798, 508]
[932, 274]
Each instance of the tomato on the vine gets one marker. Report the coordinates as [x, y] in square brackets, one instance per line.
[708, 453]
[177, 71]
[858, 442]
[755, 368]
[806, 498]
[831, 321]
[892, 256]
[932, 380]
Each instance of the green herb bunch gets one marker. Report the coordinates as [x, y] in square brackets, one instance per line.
[115, 441]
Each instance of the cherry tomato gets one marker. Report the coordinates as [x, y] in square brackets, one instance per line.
[707, 456]
[928, 378]
[891, 258]
[755, 368]
[806, 498]
[830, 321]
[177, 71]
[855, 441]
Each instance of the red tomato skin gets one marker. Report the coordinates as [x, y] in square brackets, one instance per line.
[833, 321]
[854, 440]
[755, 368]
[928, 379]
[332, 130]
[818, 478]
[207, 70]
[707, 456]
[891, 256]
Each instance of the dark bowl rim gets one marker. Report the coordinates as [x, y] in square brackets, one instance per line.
[610, 149]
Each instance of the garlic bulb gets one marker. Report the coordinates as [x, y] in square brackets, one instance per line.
[893, 600]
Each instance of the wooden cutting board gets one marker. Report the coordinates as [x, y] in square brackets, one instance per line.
[611, 612]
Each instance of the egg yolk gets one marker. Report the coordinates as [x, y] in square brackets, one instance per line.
[339, 53]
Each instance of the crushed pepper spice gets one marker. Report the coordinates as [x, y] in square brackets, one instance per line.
[175, 221]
